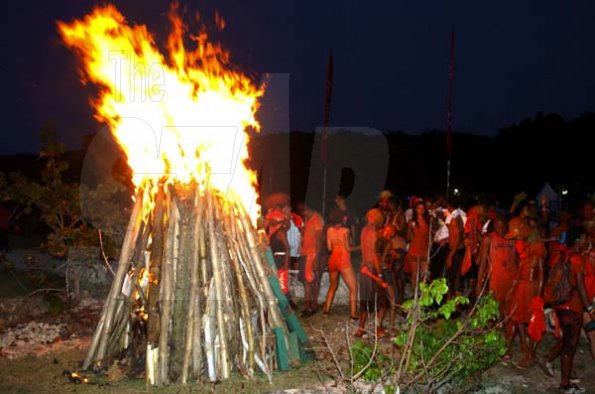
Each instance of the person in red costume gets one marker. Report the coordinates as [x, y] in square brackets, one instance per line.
[570, 313]
[498, 265]
[372, 285]
[310, 270]
[339, 262]
[527, 285]
[419, 236]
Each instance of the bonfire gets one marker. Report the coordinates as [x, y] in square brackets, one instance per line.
[195, 294]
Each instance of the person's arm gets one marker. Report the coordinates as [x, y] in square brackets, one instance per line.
[329, 245]
[484, 265]
[580, 283]
[376, 260]
[517, 200]
[410, 231]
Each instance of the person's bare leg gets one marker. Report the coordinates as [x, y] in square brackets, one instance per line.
[330, 296]
[591, 336]
[316, 289]
[349, 277]
[522, 332]
[391, 292]
[511, 333]
[555, 351]
[566, 369]
[361, 330]
[400, 285]
[308, 304]
[380, 315]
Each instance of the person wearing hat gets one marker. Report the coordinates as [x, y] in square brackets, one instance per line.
[527, 284]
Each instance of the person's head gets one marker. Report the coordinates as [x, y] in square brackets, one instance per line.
[429, 204]
[375, 217]
[517, 229]
[336, 217]
[529, 210]
[384, 199]
[500, 225]
[482, 212]
[419, 210]
[341, 201]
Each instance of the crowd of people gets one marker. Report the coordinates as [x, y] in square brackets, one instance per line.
[528, 257]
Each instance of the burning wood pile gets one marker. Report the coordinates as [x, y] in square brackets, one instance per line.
[195, 285]
[195, 295]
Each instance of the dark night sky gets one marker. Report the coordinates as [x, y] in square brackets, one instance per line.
[514, 58]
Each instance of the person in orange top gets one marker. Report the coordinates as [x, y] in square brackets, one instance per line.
[419, 235]
[570, 313]
[527, 284]
[497, 263]
[339, 262]
[310, 271]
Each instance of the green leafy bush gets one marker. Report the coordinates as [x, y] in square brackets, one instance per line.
[436, 347]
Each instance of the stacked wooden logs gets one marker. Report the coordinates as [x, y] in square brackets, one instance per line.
[194, 295]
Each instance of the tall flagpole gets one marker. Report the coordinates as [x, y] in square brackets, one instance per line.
[327, 109]
[451, 77]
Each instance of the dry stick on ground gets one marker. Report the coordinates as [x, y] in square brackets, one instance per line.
[44, 290]
[105, 260]
[332, 353]
[411, 336]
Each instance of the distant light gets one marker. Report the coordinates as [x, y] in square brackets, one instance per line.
[564, 192]
[456, 192]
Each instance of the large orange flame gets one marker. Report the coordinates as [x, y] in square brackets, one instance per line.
[179, 119]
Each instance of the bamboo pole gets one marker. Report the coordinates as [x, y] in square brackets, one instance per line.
[229, 303]
[259, 265]
[184, 201]
[197, 351]
[116, 289]
[166, 289]
[154, 321]
[215, 262]
[244, 307]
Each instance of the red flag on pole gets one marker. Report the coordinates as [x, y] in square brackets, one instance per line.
[327, 107]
